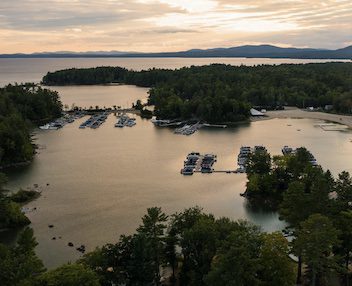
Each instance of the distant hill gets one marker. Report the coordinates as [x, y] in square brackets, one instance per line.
[248, 51]
[68, 54]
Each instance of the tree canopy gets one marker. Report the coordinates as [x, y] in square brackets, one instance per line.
[224, 93]
[21, 108]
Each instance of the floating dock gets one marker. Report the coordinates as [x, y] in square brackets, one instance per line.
[95, 121]
[124, 121]
[62, 121]
[197, 163]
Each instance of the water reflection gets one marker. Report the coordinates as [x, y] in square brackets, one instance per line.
[264, 216]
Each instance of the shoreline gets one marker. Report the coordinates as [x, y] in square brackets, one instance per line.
[15, 165]
[294, 112]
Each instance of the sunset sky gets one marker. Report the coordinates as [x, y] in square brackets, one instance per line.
[170, 25]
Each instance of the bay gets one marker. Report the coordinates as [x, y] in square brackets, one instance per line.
[96, 184]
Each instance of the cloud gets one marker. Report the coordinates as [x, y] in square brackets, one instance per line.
[171, 25]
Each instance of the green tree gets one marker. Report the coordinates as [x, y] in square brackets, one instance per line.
[69, 275]
[20, 265]
[315, 240]
[154, 224]
[298, 163]
[198, 248]
[343, 189]
[170, 251]
[343, 222]
[259, 162]
[191, 228]
[237, 261]
[3, 181]
[276, 268]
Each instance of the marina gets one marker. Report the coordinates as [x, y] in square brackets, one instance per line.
[197, 163]
[184, 127]
[95, 121]
[125, 121]
[62, 121]
[116, 190]
[99, 116]
[188, 129]
[127, 187]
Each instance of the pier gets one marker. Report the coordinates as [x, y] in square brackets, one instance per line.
[195, 162]
[125, 121]
[95, 121]
[198, 163]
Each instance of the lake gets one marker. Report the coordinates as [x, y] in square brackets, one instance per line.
[96, 184]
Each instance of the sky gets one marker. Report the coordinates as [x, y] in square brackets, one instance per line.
[29, 26]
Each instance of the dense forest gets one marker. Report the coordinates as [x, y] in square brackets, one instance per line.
[316, 206]
[195, 247]
[21, 108]
[224, 93]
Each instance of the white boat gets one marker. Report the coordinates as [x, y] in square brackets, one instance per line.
[45, 127]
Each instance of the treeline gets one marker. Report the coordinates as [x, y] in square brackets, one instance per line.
[223, 93]
[89, 76]
[317, 207]
[195, 247]
[21, 108]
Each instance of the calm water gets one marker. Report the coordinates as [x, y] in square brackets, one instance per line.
[33, 70]
[100, 182]
[101, 95]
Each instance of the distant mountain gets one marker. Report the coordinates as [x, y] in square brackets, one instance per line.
[248, 51]
[345, 51]
[68, 54]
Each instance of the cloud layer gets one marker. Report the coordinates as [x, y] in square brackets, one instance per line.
[171, 25]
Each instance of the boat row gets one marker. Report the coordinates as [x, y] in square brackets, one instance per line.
[188, 129]
[195, 162]
[124, 120]
[62, 121]
[243, 156]
[190, 163]
[207, 163]
[95, 120]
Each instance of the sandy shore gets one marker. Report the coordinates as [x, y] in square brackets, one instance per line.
[293, 112]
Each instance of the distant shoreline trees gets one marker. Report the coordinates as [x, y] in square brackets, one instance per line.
[223, 93]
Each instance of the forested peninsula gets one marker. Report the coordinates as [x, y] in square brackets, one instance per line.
[222, 93]
[23, 107]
